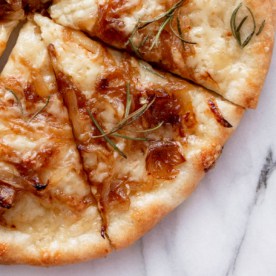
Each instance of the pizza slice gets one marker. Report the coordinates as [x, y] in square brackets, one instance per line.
[47, 209]
[11, 13]
[225, 46]
[146, 138]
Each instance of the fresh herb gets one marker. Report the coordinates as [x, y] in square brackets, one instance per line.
[143, 41]
[110, 142]
[156, 38]
[236, 29]
[261, 28]
[17, 101]
[179, 34]
[129, 118]
[41, 109]
[167, 18]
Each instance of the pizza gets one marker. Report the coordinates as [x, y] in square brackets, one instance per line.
[96, 144]
[225, 46]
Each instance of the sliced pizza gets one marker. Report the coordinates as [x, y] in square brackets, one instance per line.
[225, 46]
[11, 13]
[146, 138]
[48, 214]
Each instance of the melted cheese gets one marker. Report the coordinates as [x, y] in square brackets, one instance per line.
[86, 70]
[76, 14]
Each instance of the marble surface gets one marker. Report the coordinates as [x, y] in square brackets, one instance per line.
[227, 227]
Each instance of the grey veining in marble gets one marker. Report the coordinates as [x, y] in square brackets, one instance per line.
[227, 227]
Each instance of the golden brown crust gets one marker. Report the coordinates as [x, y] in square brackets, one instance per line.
[12, 254]
[274, 12]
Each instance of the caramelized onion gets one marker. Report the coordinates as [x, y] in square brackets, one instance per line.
[116, 191]
[110, 27]
[36, 5]
[69, 93]
[11, 11]
[13, 180]
[119, 192]
[165, 109]
[220, 119]
[7, 196]
[162, 158]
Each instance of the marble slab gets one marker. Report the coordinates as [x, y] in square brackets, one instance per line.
[227, 227]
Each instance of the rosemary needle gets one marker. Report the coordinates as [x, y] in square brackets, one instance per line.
[17, 101]
[179, 35]
[261, 28]
[41, 109]
[162, 27]
[167, 18]
[150, 129]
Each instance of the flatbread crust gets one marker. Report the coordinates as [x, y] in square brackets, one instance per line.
[82, 68]
[53, 217]
[274, 12]
[216, 61]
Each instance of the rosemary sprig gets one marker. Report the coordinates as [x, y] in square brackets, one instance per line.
[128, 120]
[236, 29]
[41, 109]
[17, 101]
[167, 18]
[109, 141]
